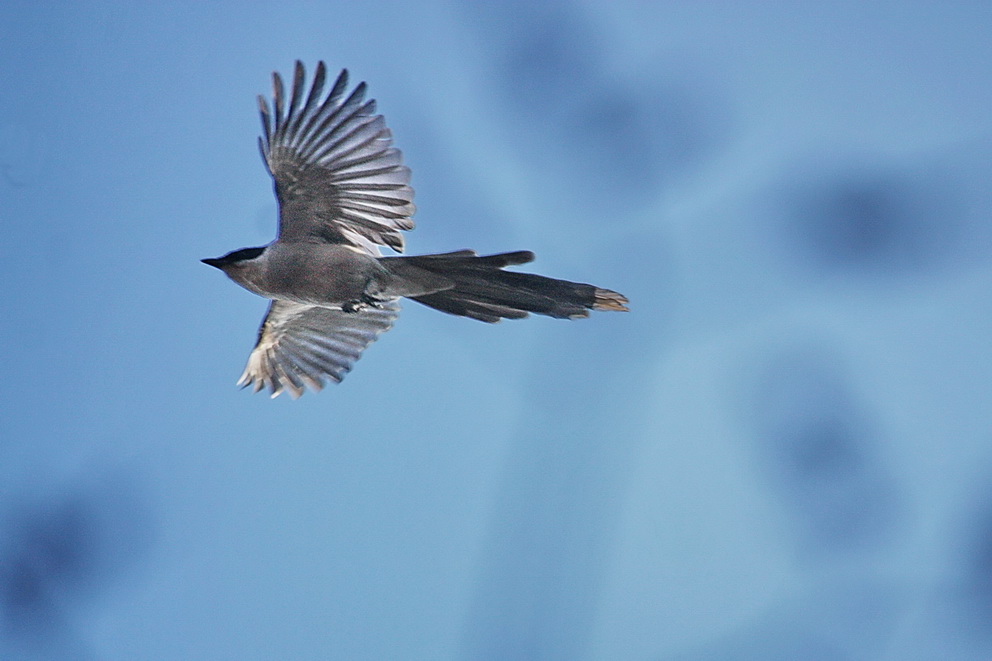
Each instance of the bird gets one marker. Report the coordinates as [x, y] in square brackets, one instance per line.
[344, 193]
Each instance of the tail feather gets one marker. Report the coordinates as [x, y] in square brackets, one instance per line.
[483, 291]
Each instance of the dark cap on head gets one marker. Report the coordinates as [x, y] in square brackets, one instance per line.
[233, 257]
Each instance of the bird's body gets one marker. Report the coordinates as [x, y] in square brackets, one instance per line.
[343, 192]
[325, 274]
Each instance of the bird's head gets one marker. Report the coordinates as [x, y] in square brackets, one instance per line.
[234, 261]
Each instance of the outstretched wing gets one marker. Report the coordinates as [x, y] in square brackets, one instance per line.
[301, 345]
[337, 177]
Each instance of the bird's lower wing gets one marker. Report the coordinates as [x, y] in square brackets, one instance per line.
[301, 345]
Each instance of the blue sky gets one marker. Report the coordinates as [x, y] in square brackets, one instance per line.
[783, 451]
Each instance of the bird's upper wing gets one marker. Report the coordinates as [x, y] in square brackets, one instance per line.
[301, 345]
[337, 177]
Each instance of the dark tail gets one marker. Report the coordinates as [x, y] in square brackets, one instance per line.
[483, 290]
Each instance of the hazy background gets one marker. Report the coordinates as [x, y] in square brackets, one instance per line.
[784, 451]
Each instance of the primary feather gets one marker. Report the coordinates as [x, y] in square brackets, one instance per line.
[337, 176]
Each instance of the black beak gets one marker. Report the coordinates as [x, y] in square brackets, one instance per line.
[209, 261]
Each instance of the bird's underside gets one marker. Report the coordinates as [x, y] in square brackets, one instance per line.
[302, 345]
[340, 182]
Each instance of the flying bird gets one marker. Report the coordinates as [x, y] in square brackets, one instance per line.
[343, 192]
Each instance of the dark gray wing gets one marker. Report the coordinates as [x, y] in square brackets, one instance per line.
[301, 345]
[337, 177]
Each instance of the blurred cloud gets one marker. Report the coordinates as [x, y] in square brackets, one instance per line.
[868, 220]
[821, 451]
[61, 548]
[577, 118]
